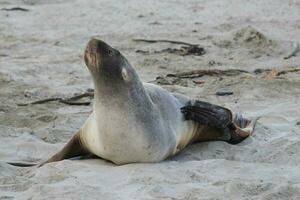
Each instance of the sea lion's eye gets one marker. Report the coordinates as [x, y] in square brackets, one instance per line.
[109, 52]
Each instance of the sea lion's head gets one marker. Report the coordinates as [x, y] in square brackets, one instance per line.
[109, 68]
[105, 62]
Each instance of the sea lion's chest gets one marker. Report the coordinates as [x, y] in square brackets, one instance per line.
[126, 139]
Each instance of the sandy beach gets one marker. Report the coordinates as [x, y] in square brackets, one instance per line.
[41, 56]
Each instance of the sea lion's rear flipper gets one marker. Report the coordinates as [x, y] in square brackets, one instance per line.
[241, 128]
[207, 114]
[218, 119]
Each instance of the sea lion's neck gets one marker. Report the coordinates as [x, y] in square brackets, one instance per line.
[126, 97]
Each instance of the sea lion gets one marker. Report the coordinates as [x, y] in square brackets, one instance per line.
[135, 122]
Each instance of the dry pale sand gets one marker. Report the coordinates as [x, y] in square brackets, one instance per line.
[41, 56]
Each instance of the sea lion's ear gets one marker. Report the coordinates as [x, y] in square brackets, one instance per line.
[125, 74]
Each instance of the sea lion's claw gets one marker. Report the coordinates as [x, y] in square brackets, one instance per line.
[240, 121]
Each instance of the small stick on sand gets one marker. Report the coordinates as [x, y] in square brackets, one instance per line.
[69, 101]
[294, 52]
[74, 103]
[168, 41]
[288, 71]
[229, 72]
[224, 93]
[212, 72]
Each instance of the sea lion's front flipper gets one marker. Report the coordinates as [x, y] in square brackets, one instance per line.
[207, 114]
[72, 149]
[22, 164]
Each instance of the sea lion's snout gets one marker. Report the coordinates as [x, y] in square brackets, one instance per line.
[91, 56]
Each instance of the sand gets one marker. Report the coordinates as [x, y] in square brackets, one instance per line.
[41, 56]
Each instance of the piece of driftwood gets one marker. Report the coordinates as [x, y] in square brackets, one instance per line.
[209, 72]
[167, 41]
[198, 82]
[68, 101]
[288, 71]
[224, 93]
[279, 72]
[273, 74]
[177, 78]
[182, 51]
[187, 49]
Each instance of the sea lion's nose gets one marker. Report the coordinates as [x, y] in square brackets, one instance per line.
[94, 51]
[95, 44]
[92, 45]
[90, 52]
